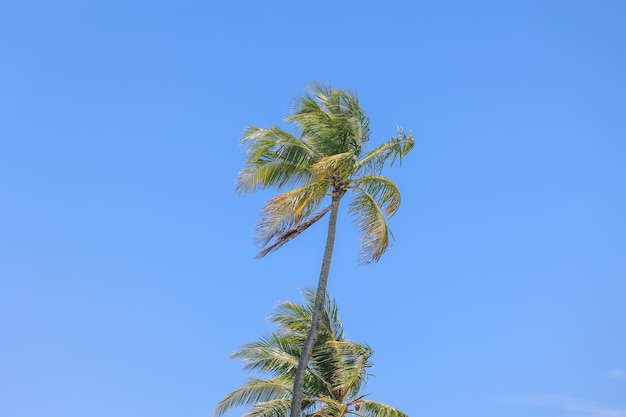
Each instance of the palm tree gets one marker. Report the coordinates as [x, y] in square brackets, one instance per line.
[325, 162]
[336, 374]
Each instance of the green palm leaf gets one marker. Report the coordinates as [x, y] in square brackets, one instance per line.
[297, 317]
[375, 409]
[339, 166]
[332, 120]
[352, 374]
[371, 222]
[332, 408]
[274, 355]
[289, 210]
[396, 149]
[274, 158]
[273, 408]
[256, 391]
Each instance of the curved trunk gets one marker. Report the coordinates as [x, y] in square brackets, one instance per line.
[320, 297]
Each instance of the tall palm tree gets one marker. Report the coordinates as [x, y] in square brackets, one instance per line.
[336, 374]
[323, 163]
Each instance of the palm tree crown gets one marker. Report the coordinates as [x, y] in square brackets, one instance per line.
[326, 160]
[336, 374]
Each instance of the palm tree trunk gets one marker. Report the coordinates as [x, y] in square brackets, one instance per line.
[320, 297]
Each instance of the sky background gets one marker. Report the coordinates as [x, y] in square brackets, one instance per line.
[127, 269]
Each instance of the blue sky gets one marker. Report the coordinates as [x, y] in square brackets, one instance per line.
[127, 268]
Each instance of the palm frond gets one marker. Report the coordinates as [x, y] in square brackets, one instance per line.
[384, 191]
[292, 317]
[396, 149]
[332, 327]
[274, 408]
[345, 104]
[254, 392]
[313, 121]
[274, 158]
[331, 408]
[277, 355]
[354, 361]
[258, 141]
[289, 210]
[369, 408]
[280, 239]
[332, 120]
[371, 222]
[296, 317]
[340, 165]
[279, 408]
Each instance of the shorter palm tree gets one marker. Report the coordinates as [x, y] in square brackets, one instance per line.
[335, 376]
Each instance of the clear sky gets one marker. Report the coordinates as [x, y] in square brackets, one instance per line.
[127, 270]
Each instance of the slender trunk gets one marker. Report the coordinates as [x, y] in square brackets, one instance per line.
[320, 297]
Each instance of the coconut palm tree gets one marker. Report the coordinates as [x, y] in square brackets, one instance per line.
[335, 376]
[326, 161]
